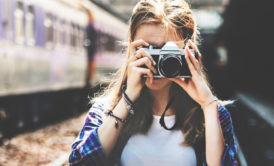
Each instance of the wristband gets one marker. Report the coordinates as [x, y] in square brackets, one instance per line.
[110, 113]
[127, 100]
[214, 100]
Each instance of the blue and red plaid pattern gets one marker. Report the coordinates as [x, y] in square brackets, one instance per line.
[87, 149]
[229, 155]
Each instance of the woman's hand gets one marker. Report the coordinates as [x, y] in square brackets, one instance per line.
[197, 86]
[135, 70]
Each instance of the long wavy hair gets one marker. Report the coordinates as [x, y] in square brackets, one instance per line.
[176, 15]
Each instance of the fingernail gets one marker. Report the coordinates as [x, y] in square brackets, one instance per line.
[196, 54]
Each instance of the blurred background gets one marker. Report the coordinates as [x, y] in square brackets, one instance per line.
[56, 54]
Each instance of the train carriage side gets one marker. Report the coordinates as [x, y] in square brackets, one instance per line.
[112, 32]
[68, 58]
[43, 65]
[43, 62]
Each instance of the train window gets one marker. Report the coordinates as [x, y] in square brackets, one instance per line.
[63, 33]
[6, 19]
[73, 36]
[81, 37]
[69, 33]
[66, 33]
[49, 30]
[30, 26]
[78, 37]
[56, 36]
[78, 42]
[75, 31]
[18, 23]
[109, 42]
[60, 32]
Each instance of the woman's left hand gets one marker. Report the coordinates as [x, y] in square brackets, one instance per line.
[197, 86]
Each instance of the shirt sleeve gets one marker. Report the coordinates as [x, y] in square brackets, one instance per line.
[87, 149]
[229, 155]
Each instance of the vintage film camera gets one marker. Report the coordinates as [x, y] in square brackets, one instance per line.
[170, 61]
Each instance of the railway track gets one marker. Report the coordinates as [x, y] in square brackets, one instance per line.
[253, 125]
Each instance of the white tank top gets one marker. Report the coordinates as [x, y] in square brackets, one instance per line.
[160, 147]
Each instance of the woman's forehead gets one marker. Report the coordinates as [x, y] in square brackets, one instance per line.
[156, 34]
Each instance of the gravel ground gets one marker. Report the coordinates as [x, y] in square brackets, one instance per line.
[43, 146]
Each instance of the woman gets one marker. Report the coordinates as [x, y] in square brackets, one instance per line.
[195, 128]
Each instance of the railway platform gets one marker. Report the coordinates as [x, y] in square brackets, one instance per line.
[48, 146]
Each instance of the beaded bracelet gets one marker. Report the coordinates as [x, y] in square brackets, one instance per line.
[110, 113]
[127, 100]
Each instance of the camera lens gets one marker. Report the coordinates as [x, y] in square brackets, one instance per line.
[170, 65]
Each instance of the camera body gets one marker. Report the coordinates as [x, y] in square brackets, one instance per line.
[170, 61]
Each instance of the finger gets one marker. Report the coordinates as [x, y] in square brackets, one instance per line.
[144, 61]
[195, 48]
[133, 45]
[142, 53]
[192, 45]
[190, 65]
[144, 71]
[193, 60]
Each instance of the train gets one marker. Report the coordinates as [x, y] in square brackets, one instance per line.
[43, 61]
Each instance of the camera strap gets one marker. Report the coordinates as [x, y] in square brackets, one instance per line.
[162, 119]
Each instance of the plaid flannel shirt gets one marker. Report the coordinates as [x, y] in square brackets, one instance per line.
[87, 149]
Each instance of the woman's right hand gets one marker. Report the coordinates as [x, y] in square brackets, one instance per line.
[137, 59]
